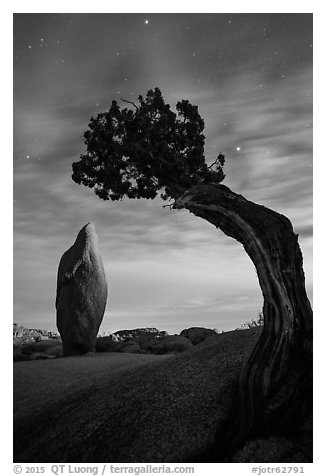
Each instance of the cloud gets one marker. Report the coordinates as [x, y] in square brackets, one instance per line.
[160, 263]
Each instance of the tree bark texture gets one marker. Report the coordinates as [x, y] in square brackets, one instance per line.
[275, 386]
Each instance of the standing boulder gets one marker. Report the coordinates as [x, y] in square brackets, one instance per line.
[81, 293]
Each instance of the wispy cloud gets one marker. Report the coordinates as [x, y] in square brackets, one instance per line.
[252, 83]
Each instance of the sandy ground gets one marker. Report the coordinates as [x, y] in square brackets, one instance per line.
[40, 383]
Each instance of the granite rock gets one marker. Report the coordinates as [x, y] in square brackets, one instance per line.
[81, 293]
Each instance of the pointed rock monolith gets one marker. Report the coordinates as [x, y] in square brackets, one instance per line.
[81, 293]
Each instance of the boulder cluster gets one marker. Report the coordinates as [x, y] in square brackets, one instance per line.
[136, 341]
[156, 342]
[23, 335]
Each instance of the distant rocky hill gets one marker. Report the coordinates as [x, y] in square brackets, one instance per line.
[24, 335]
[137, 333]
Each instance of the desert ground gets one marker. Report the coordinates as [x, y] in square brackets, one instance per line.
[112, 407]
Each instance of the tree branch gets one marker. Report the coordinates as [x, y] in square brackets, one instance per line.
[169, 205]
[130, 102]
[214, 163]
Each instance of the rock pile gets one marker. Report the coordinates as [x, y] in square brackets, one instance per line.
[153, 341]
[22, 335]
[139, 333]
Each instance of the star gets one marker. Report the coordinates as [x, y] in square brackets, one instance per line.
[238, 149]
[146, 22]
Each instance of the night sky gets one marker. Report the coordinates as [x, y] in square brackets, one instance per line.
[251, 77]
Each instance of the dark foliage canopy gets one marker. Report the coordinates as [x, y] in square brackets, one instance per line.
[146, 150]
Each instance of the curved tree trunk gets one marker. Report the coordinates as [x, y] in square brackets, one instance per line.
[275, 384]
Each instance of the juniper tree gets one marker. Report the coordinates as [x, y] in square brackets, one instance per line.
[144, 152]
[149, 150]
